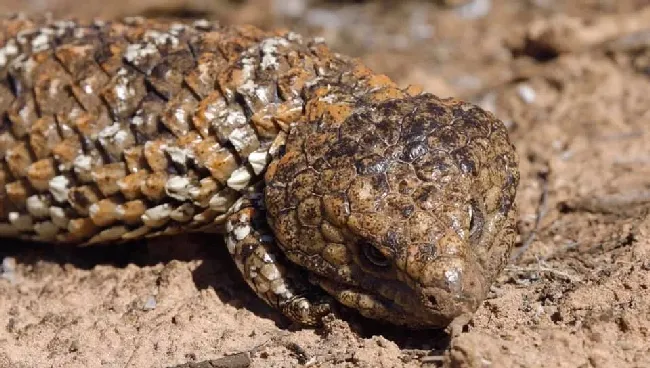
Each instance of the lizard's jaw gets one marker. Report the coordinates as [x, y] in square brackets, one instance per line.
[404, 307]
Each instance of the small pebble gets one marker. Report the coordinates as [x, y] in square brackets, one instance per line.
[8, 264]
[289, 8]
[7, 269]
[475, 9]
[488, 102]
[526, 93]
[419, 27]
[150, 304]
[468, 82]
[323, 18]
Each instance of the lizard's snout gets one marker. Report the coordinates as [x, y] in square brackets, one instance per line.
[460, 290]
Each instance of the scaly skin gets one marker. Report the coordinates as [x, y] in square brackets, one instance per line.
[328, 181]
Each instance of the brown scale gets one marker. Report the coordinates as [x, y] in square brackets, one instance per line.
[395, 202]
[40, 173]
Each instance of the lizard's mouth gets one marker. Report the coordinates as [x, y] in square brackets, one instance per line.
[403, 307]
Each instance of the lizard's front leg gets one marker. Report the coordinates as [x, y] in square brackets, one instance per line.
[252, 245]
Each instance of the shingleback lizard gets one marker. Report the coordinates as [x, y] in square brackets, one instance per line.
[328, 181]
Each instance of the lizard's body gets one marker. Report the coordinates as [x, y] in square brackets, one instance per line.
[396, 203]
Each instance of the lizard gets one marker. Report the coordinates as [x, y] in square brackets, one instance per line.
[331, 184]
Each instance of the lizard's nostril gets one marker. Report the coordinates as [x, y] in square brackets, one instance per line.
[432, 300]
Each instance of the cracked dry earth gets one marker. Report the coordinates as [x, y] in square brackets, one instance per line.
[572, 82]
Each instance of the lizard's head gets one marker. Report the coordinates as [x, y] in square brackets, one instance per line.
[402, 210]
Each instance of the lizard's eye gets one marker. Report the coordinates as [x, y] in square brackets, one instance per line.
[374, 256]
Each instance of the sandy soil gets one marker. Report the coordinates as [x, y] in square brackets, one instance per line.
[572, 81]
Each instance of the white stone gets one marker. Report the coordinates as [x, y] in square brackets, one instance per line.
[526, 93]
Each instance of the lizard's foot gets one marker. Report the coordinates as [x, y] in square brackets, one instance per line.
[307, 309]
[252, 246]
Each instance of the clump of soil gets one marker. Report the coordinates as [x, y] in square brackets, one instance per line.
[572, 82]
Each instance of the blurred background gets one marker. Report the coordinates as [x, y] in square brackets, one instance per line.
[450, 47]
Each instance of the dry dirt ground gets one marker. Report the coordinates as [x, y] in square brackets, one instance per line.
[571, 79]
